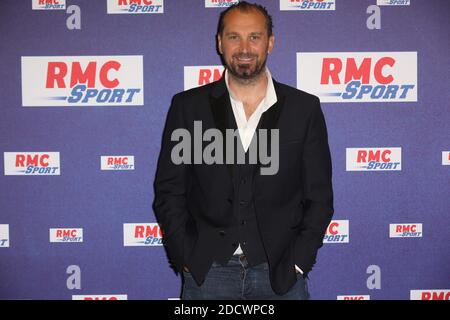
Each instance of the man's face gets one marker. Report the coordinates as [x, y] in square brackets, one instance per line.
[244, 43]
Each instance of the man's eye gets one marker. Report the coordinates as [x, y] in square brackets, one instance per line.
[254, 37]
[232, 37]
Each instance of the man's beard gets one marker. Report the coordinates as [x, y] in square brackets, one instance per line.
[246, 72]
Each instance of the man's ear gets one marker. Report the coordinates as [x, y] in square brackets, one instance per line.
[271, 43]
[219, 43]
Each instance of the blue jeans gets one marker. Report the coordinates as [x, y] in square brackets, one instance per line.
[239, 281]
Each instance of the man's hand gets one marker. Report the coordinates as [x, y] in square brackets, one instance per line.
[185, 269]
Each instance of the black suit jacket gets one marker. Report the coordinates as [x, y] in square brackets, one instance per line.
[293, 207]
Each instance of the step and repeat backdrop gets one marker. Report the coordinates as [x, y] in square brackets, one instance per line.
[85, 90]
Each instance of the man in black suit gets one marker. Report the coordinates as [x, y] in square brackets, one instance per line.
[233, 231]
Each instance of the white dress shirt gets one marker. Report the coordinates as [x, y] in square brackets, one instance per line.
[248, 127]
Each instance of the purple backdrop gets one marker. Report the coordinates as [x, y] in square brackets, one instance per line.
[101, 202]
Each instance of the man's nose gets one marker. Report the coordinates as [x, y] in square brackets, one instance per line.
[244, 46]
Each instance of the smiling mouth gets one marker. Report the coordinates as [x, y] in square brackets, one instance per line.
[242, 58]
[245, 59]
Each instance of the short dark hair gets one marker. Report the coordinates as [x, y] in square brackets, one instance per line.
[245, 7]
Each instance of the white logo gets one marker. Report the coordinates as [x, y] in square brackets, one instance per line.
[393, 2]
[308, 5]
[405, 230]
[66, 235]
[4, 235]
[101, 297]
[446, 158]
[82, 81]
[359, 76]
[353, 297]
[219, 3]
[48, 4]
[31, 163]
[117, 162]
[135, 6]
[374, 159]
[196, 76]
[142, 234]
[337, 232]
[433, 294]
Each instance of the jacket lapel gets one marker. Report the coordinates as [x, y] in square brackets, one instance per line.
[220, 108]
[269, 120]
